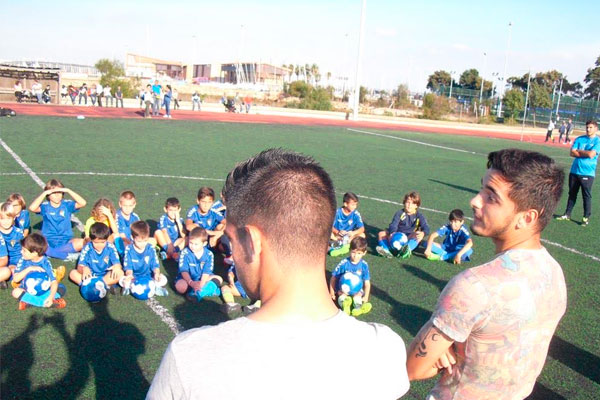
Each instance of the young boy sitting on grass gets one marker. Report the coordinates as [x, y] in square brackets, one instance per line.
[47, 293]
[22, 220]
[99, 258]
[201, 215]
[126, 217]
[347, 224]
[56, 214]
[196, 264]
[344, 296]
[457, 245]
[11, 238]
[140, 263]
[170, 234]
[407, 229]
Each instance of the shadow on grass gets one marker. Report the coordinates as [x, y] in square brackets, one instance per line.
[541, 392]
[16, 358]
[371, 234]
[579, 360]
[408, 316]
[194, 314]
[105, 346]
[427, 277]
[463, 188]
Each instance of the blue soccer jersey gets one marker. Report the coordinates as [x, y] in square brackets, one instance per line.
[3, 249]
[196, 266]
[99, 263]
[584, 165]
[219, 208]
[208, 221]
[453, 240]
[56, 225]
[43, 263]
[237, 283]
[142, 264]
[22, 220]
[360, 269]
[407, 224]
[12, 241]
[125, 224]
[350, 222]
[172, 229]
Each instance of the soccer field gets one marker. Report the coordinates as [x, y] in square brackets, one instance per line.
[112, 349]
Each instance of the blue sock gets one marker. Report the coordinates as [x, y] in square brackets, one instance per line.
[412, 244]
[165, 247]
[383, 243]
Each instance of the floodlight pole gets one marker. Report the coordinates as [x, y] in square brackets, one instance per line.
[559, 94]
[482, 80]
[526, 103]
[499, 113]
[363, 13]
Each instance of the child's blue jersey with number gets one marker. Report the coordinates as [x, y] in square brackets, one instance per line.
[12, 240]
[453, 240]
[142, 264]
[125, 224]
[350, 222]
[209, 221]
[3, 249]
[22, 220]
[43, 262]
[196, 266]
[56, 225]
[99, 263]
[408, 223]
[172, 229]
[360, 269]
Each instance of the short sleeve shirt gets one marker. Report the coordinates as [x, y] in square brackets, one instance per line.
[454, 240]
[22, 220]
[350, 222]
[99, 263]
[125, 224]
[501, 316]
[56, 225]
[196, 266]
[172, 229]
[584, 165]
[360, 269]
[142, 264]
[208, 221]
[43, 262]
[12, 240]
[3, 249]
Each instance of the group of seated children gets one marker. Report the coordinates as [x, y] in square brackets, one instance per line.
[117, 249]
[350, 281]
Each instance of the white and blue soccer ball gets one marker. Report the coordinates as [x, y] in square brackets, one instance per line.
[398, 240]
[143, 288]
[37, 283]
[350, 283]
[93, 289]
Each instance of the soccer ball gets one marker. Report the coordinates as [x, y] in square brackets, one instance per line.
[93, 289]
[37, 283]
[350, 283]
[143, 288]
[398, 240]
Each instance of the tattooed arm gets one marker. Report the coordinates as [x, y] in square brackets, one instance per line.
[429, 352]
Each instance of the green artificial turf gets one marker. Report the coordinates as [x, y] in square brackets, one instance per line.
[112, 349]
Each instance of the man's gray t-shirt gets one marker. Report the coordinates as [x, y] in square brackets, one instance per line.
[244, 359]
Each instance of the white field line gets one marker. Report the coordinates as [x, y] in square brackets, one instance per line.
[575, 251]
[415, 141]
[119, 174]
[159, 310]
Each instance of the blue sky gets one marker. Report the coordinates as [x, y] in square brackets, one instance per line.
[404, 42]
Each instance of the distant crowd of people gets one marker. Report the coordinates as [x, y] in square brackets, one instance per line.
[95, 93]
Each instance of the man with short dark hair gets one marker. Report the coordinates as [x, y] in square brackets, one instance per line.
[585, 150]
[298, 345]
[490, 332]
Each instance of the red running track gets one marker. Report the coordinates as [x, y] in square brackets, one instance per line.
[110, 112]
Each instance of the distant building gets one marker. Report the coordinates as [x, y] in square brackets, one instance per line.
[147, 67]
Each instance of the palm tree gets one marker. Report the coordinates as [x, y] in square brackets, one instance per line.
[291, 71]
[314, 70]
[307, 73]
[297, 70]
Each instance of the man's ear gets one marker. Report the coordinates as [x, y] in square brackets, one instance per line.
[253, 243]
[528, 219]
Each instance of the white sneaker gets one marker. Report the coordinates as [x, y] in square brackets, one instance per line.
[72, 257]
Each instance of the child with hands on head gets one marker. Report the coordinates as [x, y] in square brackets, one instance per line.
[56, 219]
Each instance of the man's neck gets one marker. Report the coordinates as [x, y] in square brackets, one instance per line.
[518, 242]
